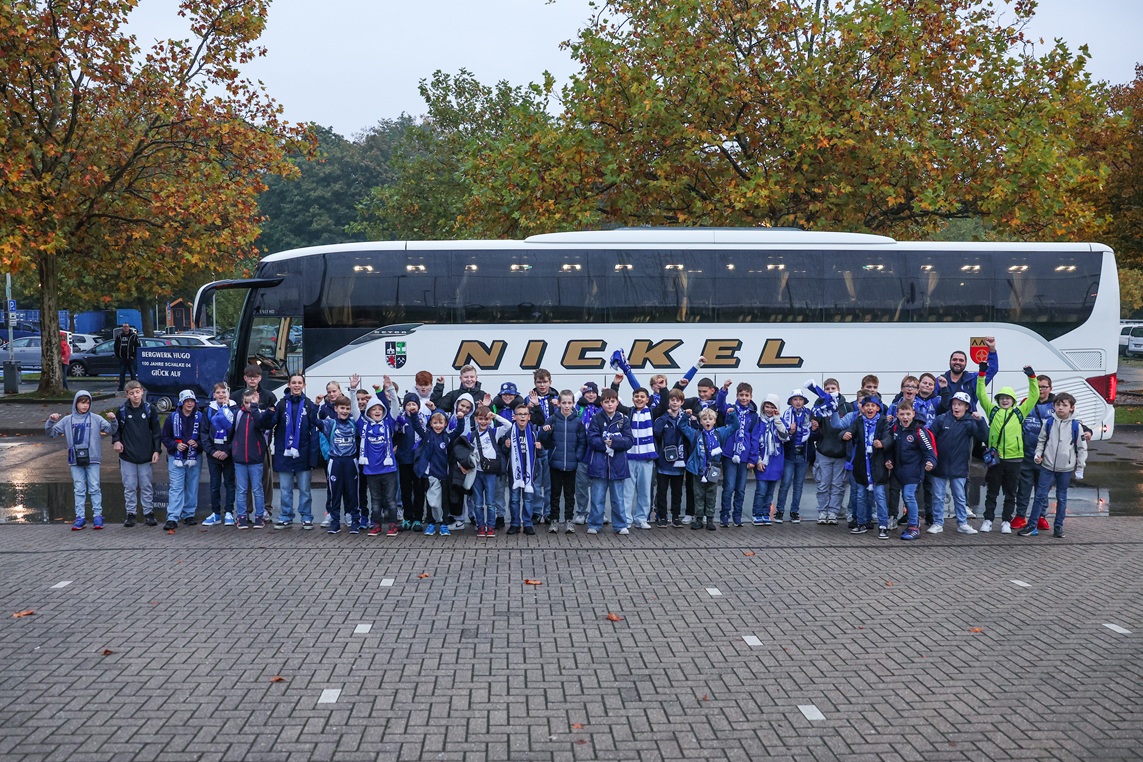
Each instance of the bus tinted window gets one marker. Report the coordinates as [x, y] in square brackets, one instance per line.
[864, 287]
[1050, 295]
[948, 287]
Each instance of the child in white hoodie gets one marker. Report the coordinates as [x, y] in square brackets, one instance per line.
[1060, 449]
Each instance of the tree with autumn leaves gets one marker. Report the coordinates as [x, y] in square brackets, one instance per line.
[123, 169]
[890, 116]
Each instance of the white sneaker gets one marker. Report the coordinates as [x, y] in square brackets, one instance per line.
[325, 520]
[1005, 527]
[971, 513]
[592, 530]
[936, 529]
[986, 526]
[644, 525]
[624, 530]
[553, 528]
[569, 528]
[965, 529]
[581, 520]
[458, 525]
[688, 519]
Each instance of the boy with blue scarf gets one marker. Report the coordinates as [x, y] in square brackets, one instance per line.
[341, 469]
[734, 462]
[706, 459]
[82, 431]
[767, 458]
[183, 437]
[296, 452]
[870, 434]
[522, 445]
[377, 458]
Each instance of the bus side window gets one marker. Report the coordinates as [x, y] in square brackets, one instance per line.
[950, 286]
[865, 287]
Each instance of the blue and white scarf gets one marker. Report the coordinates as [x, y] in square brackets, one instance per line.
[771, 444]
[295, 411]
[711, 450]
[375, 434]
[523, 458]
[827, 403]
[795, 419]
[185, 458]
[870, 425]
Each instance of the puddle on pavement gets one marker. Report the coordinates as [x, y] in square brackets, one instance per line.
[1113, 486]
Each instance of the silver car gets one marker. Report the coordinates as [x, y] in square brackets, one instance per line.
[26, 351]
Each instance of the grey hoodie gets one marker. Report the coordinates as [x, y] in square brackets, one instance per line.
[82, 429]
[1059, 451]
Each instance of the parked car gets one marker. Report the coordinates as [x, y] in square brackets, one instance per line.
[26, 351]
[188, 339]
[83, 342]
[102, 359]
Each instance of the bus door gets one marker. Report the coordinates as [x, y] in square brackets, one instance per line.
[272, 341]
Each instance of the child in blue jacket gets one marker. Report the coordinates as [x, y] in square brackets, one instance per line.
[377, 458]
[564, 435]
[431, 464]
[412, 487]
[341, 467]
[706, 459]
[910, 456]
[767, 458]
[608, 439]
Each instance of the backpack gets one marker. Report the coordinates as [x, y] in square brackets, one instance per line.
[1075, 431]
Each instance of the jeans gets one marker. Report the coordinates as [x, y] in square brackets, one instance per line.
[1026, 487]
[733, 491]
[521, 504]
[485, 502]
[542, 484]
[909, 493]
[85, 479]
[582, 490]
[137, 487]
[221, 475]
[182, 496]
[940, 484]
[764, 490]
[865, 498]
[382, 497]
[831, 478]
[793, 474]
[600, 490]
[1060, 480]
[286, 481]
[126, 367]
[637, 502]
[248, 479]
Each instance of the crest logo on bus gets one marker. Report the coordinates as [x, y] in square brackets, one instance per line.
[395, 354]
[978, 349]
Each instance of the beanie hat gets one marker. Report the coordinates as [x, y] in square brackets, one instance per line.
[411, 397]
[591, 386]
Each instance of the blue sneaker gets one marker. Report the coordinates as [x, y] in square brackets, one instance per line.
[355, 527]
[765, 521]
[97, 522]
[431, 529]
[80, 523]
[444, 530]
[758, 521]
[229, 520]
[334, 528]
[1031, 530]
[243, 523]
[212, 520]
[912, 533]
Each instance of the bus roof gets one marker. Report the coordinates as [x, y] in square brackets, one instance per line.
[698, 238]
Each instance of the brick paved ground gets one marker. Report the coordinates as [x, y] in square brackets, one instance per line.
[472, 663]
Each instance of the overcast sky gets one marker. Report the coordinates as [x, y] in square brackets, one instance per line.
[346, 64]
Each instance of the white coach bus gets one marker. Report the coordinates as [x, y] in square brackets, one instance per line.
[769, 306]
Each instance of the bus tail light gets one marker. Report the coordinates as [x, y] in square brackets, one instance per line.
[1105, 386]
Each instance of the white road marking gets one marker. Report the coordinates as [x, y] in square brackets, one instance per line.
[362, 629]
[752, 640]
[811, 712]
[714, 591]
[329, 696]
[1020, 583]
[1117, 628]
[60, 585]
[387, 583]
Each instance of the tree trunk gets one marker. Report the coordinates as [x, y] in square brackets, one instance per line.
[148, 324]
[51, 381]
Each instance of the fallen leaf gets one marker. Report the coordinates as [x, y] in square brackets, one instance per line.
[748, 552]
[533, 582]
[860, 627]
[706, 698]
[277, 679]
[581, 741]
[24, 613]
[422, 575]
[976, 629]
[888, 584]
[577, 726]
[613, 617]
[107, 652]
[170, 531]
[154, 603]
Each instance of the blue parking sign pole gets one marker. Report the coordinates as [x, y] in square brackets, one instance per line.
[11, 309]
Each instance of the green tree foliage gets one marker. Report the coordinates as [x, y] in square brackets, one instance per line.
[891, 116]
[318, 205]
[433, 161]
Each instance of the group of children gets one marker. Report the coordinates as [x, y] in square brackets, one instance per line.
[425, 461]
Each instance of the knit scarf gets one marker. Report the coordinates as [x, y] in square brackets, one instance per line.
[711, 449]
[794, 422]
[870, 425]
[295, 410]
[827, 403]
[223, 421]
[523, 458]
[187, 457]
[738, 449]
[771, 445]
[375, 434]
